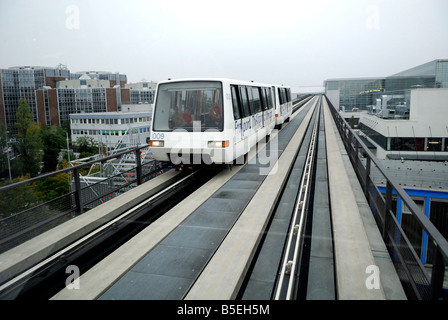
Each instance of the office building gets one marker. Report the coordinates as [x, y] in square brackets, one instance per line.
[22, 82]
[115, 130]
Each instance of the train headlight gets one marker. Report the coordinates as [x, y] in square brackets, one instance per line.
[156, 143]
[218, 144]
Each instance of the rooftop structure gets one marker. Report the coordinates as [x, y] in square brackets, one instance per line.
[142, 85]
[84, 81]
[113, 78]
[421, 136]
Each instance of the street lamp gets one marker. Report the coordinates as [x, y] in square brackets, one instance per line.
[7, 152]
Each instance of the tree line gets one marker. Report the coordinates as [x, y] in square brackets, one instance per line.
[35, 150]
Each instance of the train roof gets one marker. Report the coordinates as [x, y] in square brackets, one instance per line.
[245, 82]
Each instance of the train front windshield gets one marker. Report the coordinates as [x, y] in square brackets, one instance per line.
[191, 106]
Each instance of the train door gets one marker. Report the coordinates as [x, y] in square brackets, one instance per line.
[268, 111]
[237, 114]
[245, 118]
[282, 98]
[276, 102]
[288, 98]
[256, 108]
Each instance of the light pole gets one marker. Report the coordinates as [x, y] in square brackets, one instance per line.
[7, 152]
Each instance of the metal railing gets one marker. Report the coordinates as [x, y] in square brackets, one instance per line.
[415, 279]
[40, 216]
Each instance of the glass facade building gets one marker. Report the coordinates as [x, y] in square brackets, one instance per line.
[433, 74]
[356, 93]
[362, 92]
[22, 82]
[51, 105]
[142, 96]
[72, 101]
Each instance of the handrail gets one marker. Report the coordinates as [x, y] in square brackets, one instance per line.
[352, 144]
[55, 173]
[20, 226]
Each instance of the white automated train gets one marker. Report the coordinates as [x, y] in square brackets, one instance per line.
[214, 121]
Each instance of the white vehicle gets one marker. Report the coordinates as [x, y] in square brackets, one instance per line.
[283, 104]
[205, 121]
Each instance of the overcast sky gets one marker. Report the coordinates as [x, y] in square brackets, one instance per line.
[298, 43]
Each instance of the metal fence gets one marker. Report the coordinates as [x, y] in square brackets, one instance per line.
[416, 281]
[38, 217]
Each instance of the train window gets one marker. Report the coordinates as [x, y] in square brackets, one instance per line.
[251, 100]
[264, 103]
[265, 99]
[256, 100]
[280, 98]
[274, 95]
[188, 105]
[282, 95]
[269, 97]
[244, 102]
[288, 94]
[235, 103]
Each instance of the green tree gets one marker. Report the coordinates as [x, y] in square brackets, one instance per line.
[66, 126]
[29, 140]
[54, 140]
[352, 122]
[53, 187]
[24, 118]
[17, 199]
[86, 146]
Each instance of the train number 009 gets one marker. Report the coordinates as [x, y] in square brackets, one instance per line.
[158, 136]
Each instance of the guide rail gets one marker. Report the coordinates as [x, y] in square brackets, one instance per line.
[292, 256]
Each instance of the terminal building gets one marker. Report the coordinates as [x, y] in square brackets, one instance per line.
[420, 134]
[403, 119]
[360, 93]
[402, 116]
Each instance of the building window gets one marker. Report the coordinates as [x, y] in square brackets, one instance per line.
[375, 136]
[434, 144]
[407, 144]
